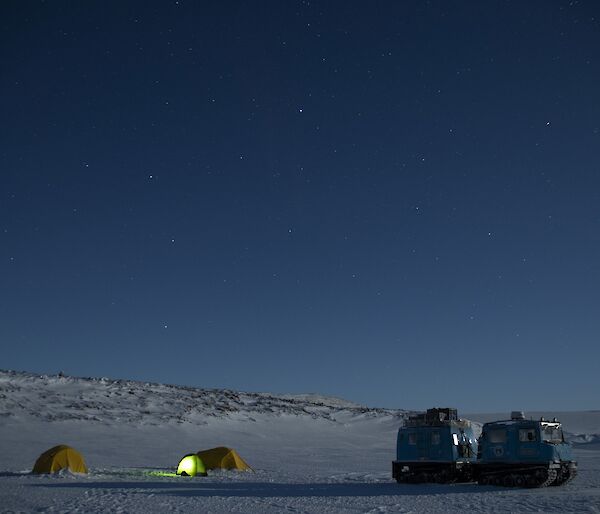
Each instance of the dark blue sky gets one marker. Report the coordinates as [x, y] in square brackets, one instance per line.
[393, 202]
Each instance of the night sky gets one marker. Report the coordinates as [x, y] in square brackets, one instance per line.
[393, 202]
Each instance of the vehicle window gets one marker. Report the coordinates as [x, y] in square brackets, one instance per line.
[497, 436]
[552, 434]
[527, 435]
[435, 437]
[412, 438]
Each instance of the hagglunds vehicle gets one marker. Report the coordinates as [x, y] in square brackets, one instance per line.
[437, 446]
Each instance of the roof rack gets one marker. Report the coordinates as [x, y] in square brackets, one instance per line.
[433, 417]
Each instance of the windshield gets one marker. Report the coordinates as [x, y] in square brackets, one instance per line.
[552, 434]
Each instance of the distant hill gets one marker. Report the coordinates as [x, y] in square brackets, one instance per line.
[59, 398]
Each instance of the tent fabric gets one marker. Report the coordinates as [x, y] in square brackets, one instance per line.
[223, 458]
[60, 457]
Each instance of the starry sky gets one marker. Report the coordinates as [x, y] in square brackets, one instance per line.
[393, 202]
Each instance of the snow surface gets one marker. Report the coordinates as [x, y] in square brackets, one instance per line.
[310, 453]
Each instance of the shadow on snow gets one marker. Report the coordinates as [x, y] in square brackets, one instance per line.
[267, 490]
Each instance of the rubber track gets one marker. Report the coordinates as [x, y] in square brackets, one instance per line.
[571, 474]
[551, 478]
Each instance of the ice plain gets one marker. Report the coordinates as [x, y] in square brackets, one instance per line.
[310, 453]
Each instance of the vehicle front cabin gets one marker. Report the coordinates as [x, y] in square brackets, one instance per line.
[522, 440]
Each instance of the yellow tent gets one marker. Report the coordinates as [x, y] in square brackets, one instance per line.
[224, 458]
[60, 457]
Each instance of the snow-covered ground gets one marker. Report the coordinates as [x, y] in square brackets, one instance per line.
[310, 453]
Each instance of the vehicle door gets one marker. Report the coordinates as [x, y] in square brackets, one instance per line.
[423, 442]
[527, 443]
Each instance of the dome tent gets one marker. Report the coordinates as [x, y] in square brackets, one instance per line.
[223, 458]
[191, 465]
[60, 457]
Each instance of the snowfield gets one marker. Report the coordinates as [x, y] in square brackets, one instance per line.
[310, 453]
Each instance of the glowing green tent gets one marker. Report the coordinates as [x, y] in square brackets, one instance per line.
[191, 465]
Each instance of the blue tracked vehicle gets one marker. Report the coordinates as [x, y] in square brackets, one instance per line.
[524, 453]
[435, 446]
